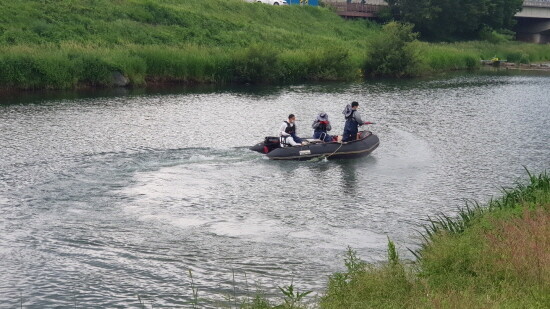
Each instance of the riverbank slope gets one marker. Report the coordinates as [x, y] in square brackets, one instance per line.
[491, 256]
[82, 43]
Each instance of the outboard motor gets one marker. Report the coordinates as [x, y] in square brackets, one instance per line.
[269, 143]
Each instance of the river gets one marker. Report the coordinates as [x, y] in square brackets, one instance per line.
[112, 194]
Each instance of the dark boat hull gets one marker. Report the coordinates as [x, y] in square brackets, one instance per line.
[332, 150]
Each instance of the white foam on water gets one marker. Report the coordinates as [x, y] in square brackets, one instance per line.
[4, 200]
[254, 228]
[176, 195]
[202, 158]
[404, 152]
[179, 222]
[336, 238]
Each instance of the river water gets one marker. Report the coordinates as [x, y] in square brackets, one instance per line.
[107, 196]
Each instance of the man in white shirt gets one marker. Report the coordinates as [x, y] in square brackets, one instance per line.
[287, 132]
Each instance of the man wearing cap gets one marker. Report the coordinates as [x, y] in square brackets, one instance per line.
[353, 121]
[287, 132]
[321, 126]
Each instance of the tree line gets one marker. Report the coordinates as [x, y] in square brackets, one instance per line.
[447, 20]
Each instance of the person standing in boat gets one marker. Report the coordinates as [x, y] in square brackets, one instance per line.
[353, 121]
[321, 126]
[287, 132]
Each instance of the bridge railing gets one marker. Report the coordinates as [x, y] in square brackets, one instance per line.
[537, 3]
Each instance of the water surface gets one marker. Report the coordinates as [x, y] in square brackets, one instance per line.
[110, 195]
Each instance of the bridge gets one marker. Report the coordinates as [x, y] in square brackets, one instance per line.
[533, 20]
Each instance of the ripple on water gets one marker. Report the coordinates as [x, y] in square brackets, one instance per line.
[102, 199]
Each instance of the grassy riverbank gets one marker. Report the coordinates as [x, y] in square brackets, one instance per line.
[63, 44]
[78, 43]
[467, 55]
[491, 256]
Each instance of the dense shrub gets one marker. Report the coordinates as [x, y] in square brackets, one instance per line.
[493, 36]
[255, 64]
[391, 53]
[331, 64]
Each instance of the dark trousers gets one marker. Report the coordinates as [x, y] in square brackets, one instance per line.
[350, 130]
[349, 135]
[296, 138]
[322, 136]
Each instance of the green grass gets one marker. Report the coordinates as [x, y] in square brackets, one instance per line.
[227, 23]
[466, 55]
[64, 44]
[491, 256]
[74, 43]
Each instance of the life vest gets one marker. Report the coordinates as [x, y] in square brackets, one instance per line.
[350, 115]
[290, 129]
[351, 124]
[351, 120]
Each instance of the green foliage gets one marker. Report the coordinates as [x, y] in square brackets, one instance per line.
[257, 63]
[511, 199]
[354, 264]
[76, 43]
[194, 289]
[492, 256]
[292, 298]
[392, 53]
[456, 19]
[467, 55]
[187, 64]
[490, 35]
[386, 14]
[258, 302]
[56, 69]
[69, 43]
[393, 256]
[368, 286]
[339, 283]
[517, 57]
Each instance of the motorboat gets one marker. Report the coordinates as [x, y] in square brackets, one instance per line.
[365, 143]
